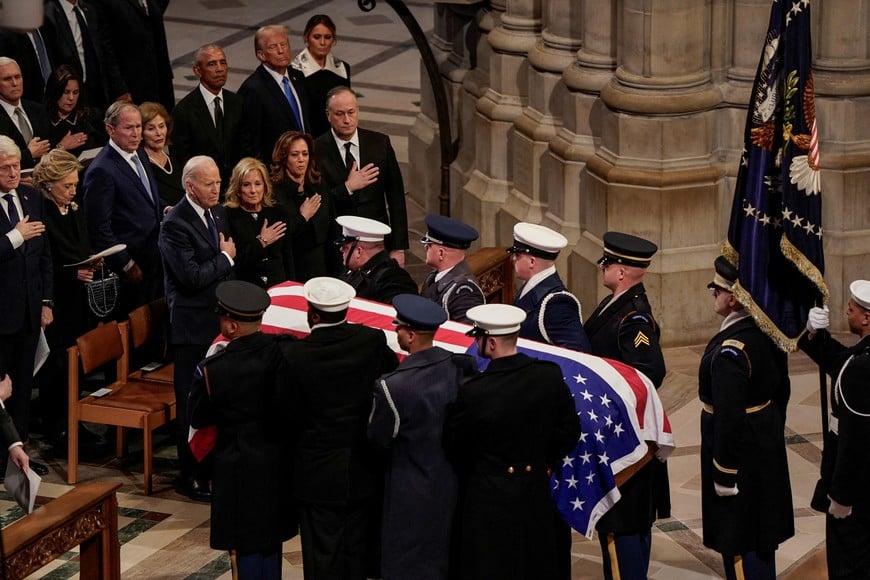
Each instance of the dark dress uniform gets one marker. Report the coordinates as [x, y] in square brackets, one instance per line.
[553, 315]
[420, 490]
[380, 279]
[508, 427]
[742, 443]
[333, 372]
[236, 390]
[846, 456]
[456, 292]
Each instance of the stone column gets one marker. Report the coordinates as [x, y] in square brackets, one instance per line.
[841, 68]
[653, 173]
[487, 188]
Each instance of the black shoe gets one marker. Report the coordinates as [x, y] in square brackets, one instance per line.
[194, 489]
[39, 469]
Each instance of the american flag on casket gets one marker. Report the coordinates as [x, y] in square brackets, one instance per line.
[618, 406]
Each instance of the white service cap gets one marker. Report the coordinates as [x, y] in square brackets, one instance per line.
[537, 240]
[495, 319]
[328, 294]
[860, 290]
[354, 227]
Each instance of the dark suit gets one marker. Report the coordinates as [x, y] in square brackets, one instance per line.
[17, 46]
[456, 292]
[371, 202]
[194, 132]
[120, 211]
[268, 113]
[104, 84]
[193, 265]
[333, 374]
[25, 281]
[39, 123]
[627, 331]
[139, 43]
[509, 425]
[561, 321]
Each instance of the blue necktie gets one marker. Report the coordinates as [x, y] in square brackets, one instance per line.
[14, 218]
[91, 65]
[212, 227]
[41, 54]
[293, 104]
[143, 177]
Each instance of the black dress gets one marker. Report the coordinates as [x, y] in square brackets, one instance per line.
[318, 83]
[314, 250]
[261, 266]
[69, 242]
[169, 180]
[88, 121]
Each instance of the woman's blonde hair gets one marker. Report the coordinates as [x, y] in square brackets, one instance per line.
[242, 168]
[54, 166]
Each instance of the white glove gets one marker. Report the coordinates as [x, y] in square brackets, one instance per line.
[818, 319]
[723, 491]
[839, 511]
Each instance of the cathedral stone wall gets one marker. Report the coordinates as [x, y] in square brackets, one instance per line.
[596, 115]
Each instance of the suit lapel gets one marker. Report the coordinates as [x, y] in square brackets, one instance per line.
[192, 217]
[206, 121]
[276, 93]
[124, 169]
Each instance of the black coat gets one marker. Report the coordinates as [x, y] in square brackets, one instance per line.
[267, 113]
[380, 279]
[410, 406]
[314, 250]
[742, 443]
[456, 292]
[141, 52]
[88, 121]
[104, 85]
[328, 400]
[194, 132]
[17, 46]
[846, 454]
[518, 413]
[383, 200]
[168, 179]
[562, 321]
[627, 331]
[267, 266]
[237, 391]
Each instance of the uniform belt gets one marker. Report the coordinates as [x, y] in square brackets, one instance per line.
[708, 408]
[516, 469]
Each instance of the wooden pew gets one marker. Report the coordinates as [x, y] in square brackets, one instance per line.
[495, 272]
[87, 515]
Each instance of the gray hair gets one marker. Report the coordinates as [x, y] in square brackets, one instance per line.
[269, 29]
[197, 56]
[335, 91]
[193, 165]
[113, 113]
[8, 146]
[5, 60]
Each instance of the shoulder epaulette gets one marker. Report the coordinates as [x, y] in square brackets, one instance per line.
[735, 343]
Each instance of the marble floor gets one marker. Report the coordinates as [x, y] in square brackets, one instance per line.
[165, 536]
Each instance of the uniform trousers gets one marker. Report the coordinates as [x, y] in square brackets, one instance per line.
[627, 552]
[186, 357]
[334, 540]
[750, 566]
[848, 545]
[263, 565]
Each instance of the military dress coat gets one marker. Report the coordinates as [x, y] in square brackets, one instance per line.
[847, 455]
[236, 390]
[380, 279]
[407, 418]
[509, 425]
[553, 315]
[742, 443]
[627, 331]
[455, 292]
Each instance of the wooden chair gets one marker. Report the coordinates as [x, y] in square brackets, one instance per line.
[147, 330]
[132, 403]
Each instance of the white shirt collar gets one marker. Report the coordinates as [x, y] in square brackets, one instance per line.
[305, 63]
[339, 142]
[200, 211]
[733, 318]
[327, 324]
[536, 279]
[128, 157]
[443, 273]
[209, 97]
[10, 109]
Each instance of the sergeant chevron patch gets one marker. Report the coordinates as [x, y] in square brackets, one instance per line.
[640, 339]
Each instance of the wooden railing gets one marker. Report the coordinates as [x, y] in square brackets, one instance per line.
[87, 515]
[495, 272]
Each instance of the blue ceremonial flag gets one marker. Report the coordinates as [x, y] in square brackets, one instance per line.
[775, 233]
